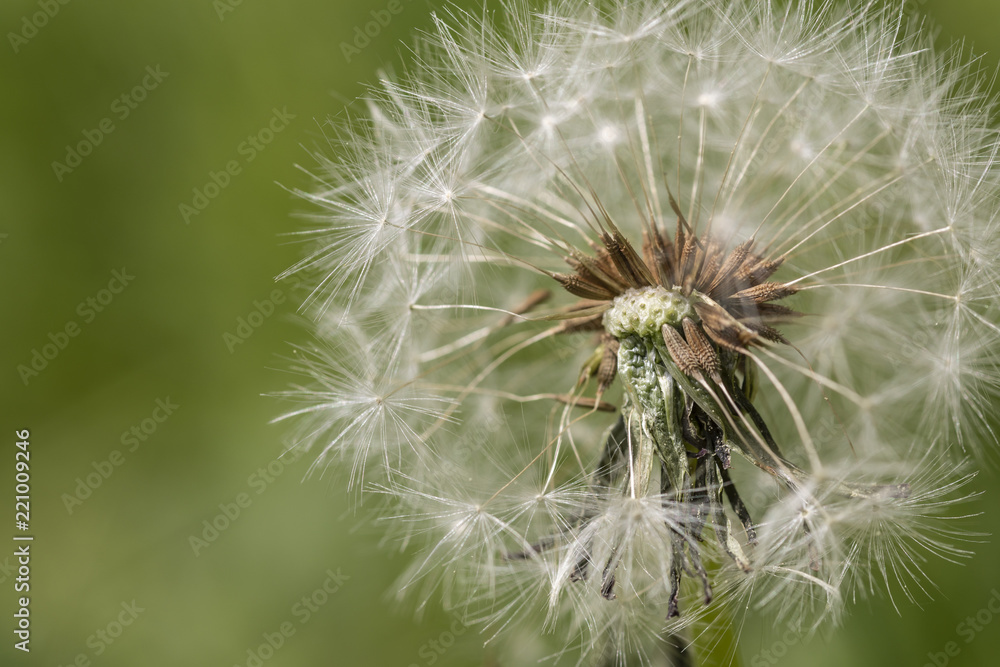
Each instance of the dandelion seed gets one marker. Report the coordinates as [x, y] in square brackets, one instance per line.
[653, 313]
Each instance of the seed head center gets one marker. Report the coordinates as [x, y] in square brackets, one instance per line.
[644, 311]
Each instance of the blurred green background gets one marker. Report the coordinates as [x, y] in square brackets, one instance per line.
[211, 84]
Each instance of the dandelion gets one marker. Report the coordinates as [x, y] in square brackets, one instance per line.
[645, 315]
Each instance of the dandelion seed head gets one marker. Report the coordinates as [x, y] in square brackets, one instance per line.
[642, 313]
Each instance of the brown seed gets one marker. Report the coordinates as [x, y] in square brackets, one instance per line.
[708, 360]
[731, 266]
[608, 369]
[723, 328]
[630, 266]
[582, 287]
[663, 252]
[680, 351]
[759, 270]
[765, 292]
[593, 270]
